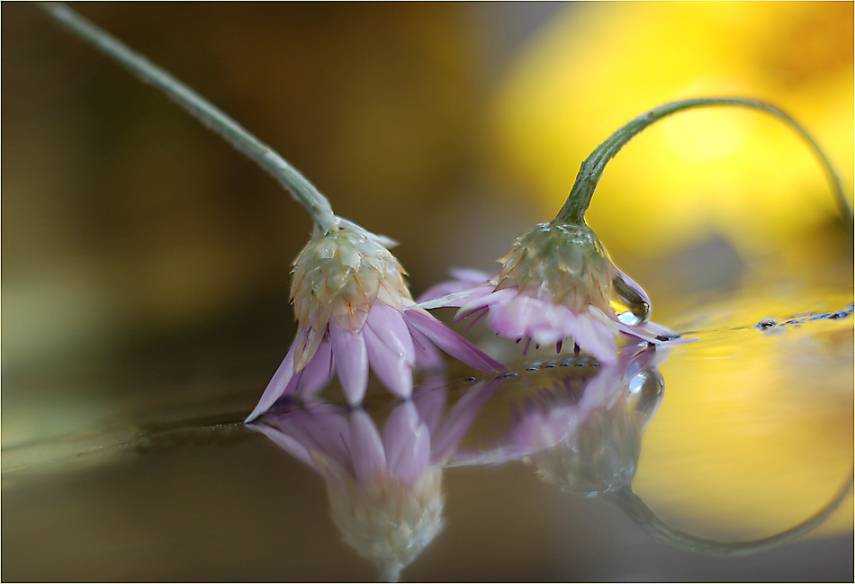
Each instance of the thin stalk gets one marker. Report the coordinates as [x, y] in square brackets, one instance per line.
[213, 118]
[633, 506]
[592, 169]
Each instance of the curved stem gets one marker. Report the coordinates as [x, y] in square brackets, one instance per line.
[592, 169]
[289, 177]
[638, 510]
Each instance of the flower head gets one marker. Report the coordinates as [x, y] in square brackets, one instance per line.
[557, 284]
[354, 310]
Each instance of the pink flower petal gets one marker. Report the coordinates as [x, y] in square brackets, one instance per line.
[392, 368]
[459, 420]
[449, 341]
[323, 428]
[287, 443]
[488, 299]
[366, 447]
[351, 361]
[594, 336]
[651, 332]
[464, 279]
[389, 326]
[511, 318]
[318, 372]
[441, 289]
[457, 298]
[407, 443]
[431, 404]
[318, 429]
[541, 426]
[551, 323]
[470, 276]
[427, 357]
[279, 382]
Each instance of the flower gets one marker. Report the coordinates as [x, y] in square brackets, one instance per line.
[599, 452]
[557, 283]
[384, 487]
[353, 310]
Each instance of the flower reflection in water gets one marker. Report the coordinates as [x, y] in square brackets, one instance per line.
[384, 486]
[581, 427]
[577, 422]
[582, 431]
[599, 453]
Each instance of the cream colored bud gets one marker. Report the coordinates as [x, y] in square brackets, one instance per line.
[340, 275]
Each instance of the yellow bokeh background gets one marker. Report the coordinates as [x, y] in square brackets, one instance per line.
[737, 172]
[753, 445]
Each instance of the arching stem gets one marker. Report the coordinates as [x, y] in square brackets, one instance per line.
[633, 506]
[289, 177]
[592, 169]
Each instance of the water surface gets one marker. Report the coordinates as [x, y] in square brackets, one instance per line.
[663, 467]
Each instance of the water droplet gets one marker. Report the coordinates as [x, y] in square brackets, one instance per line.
[647, 388]
[630, 307]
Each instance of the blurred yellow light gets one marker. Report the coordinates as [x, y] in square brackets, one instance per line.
[754, 434]
[738, 172]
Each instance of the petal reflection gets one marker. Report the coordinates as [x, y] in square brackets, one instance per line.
[581, 428]
[383, 477]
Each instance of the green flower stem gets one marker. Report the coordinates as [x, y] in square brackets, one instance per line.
[592, 169]
[289, 177]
